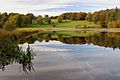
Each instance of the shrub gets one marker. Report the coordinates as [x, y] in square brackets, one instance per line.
[53, 25]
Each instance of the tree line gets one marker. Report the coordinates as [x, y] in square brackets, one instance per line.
[109, 18]
[13, 20]
[72, 16]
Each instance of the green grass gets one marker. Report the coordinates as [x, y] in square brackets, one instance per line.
[65, 25]
[74, 24]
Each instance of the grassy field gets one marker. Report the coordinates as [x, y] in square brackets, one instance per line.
[65, 25]
[68, 25]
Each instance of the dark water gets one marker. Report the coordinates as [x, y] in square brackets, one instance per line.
[79, 55]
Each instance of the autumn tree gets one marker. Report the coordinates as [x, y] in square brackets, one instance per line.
[74, 15]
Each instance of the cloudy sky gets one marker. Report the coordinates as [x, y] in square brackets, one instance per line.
[55, 7]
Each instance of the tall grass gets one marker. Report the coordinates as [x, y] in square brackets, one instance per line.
[10, 52]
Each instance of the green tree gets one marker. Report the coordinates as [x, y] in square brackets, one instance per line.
[39, 20]
[4, 17]
[29, 18]
[15, 19]
[59, 19]
[89, 17]
[103, 24]
[47, 19]
[9, 26]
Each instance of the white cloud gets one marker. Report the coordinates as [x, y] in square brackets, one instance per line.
[30, 6]
[39, 2]
[27, 6]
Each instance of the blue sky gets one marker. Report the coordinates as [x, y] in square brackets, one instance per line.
[55, 7]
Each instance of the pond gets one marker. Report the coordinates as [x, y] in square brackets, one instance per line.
[69, 55]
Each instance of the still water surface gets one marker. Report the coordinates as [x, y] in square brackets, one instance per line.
[72, 58]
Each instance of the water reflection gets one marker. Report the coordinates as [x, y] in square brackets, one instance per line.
[78, 55]
[105, 39]
[11, 52]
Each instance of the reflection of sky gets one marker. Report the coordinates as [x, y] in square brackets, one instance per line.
[60, 61]
[59, 46]
[53, 7]
[76, 62]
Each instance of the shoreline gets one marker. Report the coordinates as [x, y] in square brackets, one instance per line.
[66, 29]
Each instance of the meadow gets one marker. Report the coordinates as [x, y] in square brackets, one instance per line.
[65, 25]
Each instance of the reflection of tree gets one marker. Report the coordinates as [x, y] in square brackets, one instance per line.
[72, 40]
[109, 39]
[10, 52]
[106, 39]
[47, 37]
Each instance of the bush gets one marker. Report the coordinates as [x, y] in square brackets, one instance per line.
[53, 25]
